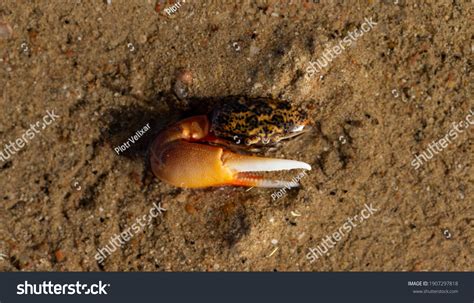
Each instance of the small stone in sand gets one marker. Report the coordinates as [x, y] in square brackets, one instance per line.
[5, 30]
[185, 76]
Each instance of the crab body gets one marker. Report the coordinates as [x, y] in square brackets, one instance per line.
[258, 121]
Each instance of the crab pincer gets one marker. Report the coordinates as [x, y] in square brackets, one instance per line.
[190, 154]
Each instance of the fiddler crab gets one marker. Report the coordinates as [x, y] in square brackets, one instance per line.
[197, 152]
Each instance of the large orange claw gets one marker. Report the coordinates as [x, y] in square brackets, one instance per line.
[181, 156]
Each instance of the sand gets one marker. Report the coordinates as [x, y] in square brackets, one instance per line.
[107, 70]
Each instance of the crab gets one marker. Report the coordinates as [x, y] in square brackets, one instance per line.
[208, 150]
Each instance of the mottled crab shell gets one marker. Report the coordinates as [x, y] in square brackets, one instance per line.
[256, 121]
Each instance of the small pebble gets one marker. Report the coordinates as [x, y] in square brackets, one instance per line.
[59, 255]
[5, 30]
[185, 76]
[254, 50]
[142, 39]
[180, 90]
[274, 241]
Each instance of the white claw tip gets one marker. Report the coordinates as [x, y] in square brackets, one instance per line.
[254, 164]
